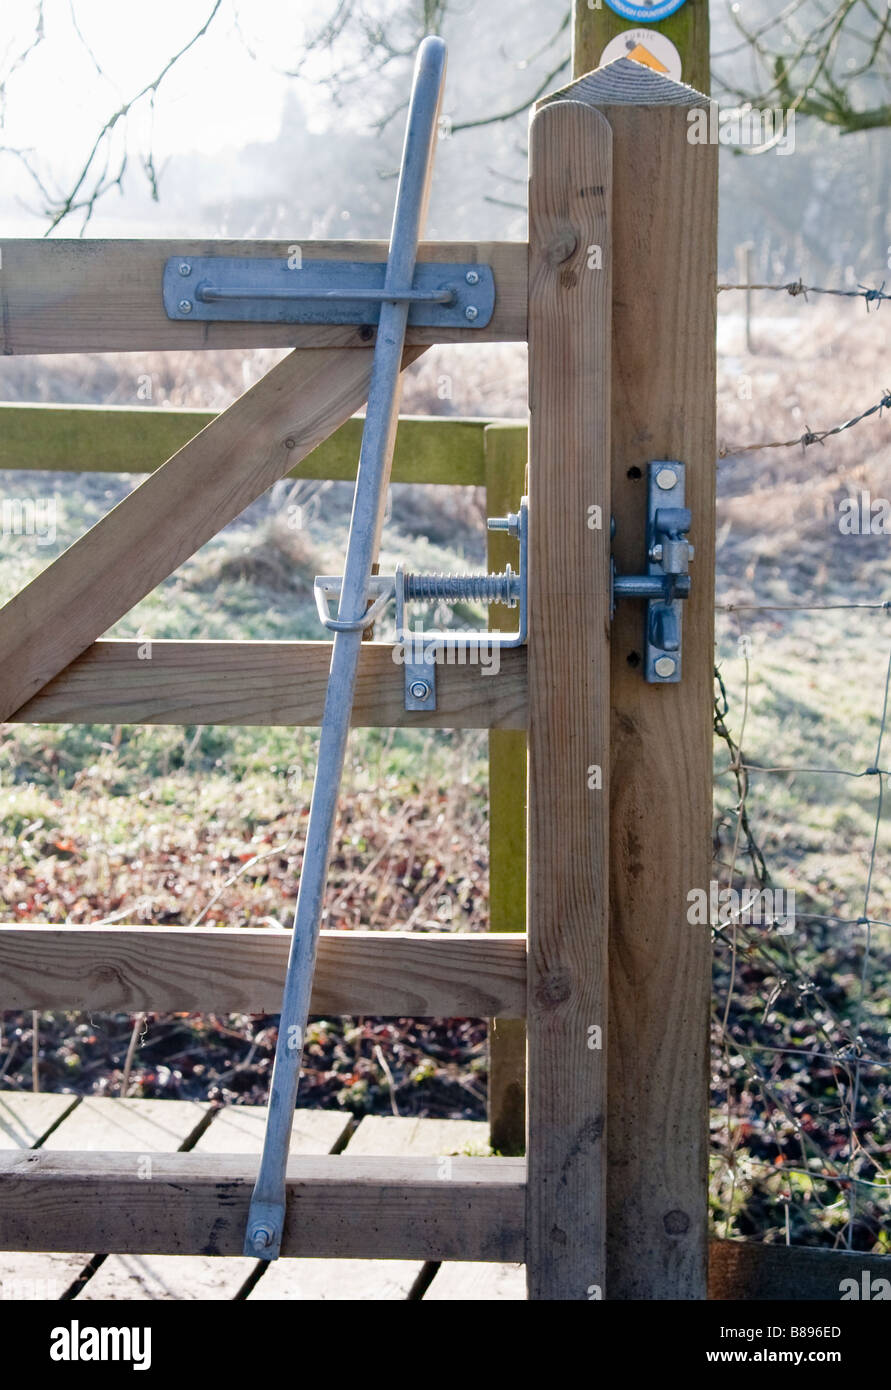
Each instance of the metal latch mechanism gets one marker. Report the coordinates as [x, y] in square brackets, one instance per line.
[260, 290]
[666, 583]
[420, 651]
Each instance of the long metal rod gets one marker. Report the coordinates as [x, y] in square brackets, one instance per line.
[211, 293]
[267, 1211]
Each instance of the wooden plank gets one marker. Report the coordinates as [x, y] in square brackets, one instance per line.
[26, 1120]
[239, 1129]
[362, 1208]
[364, 1280]
[663, 407]
[569, 303]
[477, 1283]
[688, 29]
[265, 683]
[240, 970]
[174, 512]
[236, 1129]
[120, 439]
[506, 456]
[738, 1270]
[105, 296]
[131, 1126]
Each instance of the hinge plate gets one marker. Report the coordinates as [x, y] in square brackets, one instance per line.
[244, 289]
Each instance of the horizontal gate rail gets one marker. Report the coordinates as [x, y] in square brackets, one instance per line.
[197, 1204]
[127, 439]
[266, 684]
[105, 296]
[240, 969]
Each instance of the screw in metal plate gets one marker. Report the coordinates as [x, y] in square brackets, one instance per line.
[419, 690]
[185, 306]
[665, 666]
[472, 277]
[185, 268]
[471, 312]
[666, 478]
[261, 1237]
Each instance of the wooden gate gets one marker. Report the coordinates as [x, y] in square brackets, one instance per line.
[615, 295]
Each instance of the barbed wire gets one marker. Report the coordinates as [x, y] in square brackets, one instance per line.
[797, 287]
[810, 436]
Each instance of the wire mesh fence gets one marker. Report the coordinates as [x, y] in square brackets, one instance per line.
[801, 899]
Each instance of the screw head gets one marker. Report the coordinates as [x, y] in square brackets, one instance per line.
[471, 312]
[665, 666]
[261, 1237]
[185, 306]
[655, 553]
[666, 478]
[472, 277]
[185, 268]
[419, 690]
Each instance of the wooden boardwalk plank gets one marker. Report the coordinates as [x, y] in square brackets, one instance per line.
[105, 296]
[265, 683]
[128, 1126]
[240, 970]
[233, 1130]
[364, 1280]
[197, 492]
[26, 1119]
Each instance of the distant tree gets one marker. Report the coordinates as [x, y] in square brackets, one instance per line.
[830, 59]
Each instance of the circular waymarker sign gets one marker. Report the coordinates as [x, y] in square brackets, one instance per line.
[645, 46]
[645, 11]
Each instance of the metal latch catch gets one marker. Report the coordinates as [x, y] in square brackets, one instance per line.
[666, 583]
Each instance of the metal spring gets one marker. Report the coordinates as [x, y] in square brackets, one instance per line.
[470, 588]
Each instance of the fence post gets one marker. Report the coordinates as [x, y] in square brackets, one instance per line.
[505, 453]
[663, 407]
[688, 29]
[568, 739]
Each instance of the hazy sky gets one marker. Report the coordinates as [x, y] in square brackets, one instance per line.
[216, 97]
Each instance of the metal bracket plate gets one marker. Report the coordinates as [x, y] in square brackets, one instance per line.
[242, 289]
[665, 490]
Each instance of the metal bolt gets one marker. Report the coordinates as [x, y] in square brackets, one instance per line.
[655, 553]
[665, 666]
[666, 478]
[261, 1237]
[471, 312]
[419, 690]
[509, 523]
[185, 268]
[185, 306]
[472, 277]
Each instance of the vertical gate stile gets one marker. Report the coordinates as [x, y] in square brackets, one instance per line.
[570, 196]
[506, 447]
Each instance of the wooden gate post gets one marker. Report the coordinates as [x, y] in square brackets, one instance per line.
[568, 742]
[663, 407]
[506, 450]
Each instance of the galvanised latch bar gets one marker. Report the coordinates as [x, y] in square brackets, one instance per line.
[267, 1211]
[666, 583]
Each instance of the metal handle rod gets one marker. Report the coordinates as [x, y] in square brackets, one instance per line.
[267, 1210]
[209, 294]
